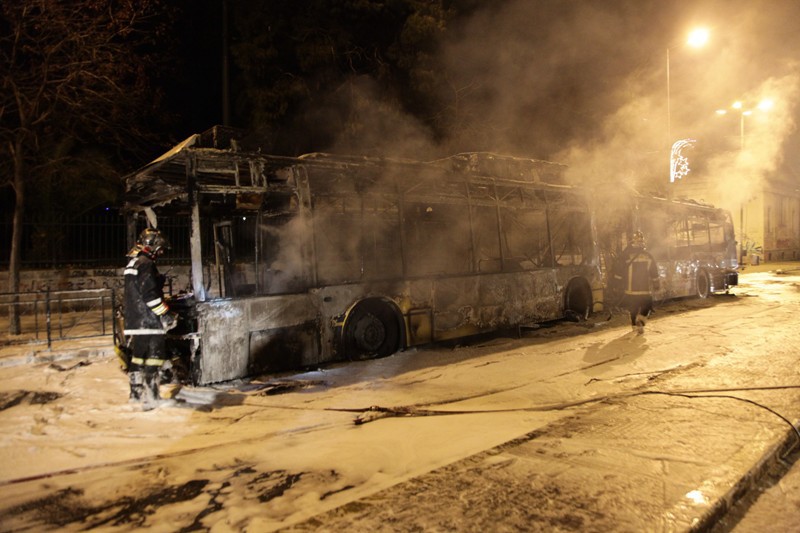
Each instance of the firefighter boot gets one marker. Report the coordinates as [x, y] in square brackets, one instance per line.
[641, 321]
[150, 395]
[136, 379]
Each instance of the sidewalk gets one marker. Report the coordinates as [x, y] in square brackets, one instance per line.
[783, 266]
[38, 352]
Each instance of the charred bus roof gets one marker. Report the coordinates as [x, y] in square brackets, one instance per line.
[233, 172]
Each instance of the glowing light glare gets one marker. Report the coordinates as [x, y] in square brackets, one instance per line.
[763, 106]
[679, 163]
[698, 37]
[697, 497]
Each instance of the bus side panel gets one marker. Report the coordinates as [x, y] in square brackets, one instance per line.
[474, 304]
[255, 335]
[284, 333]
[524, 297]
[454, 307]
[451, 307]
[679, 275]
[223, 349]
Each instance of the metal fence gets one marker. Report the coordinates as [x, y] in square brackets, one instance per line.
[46, 316]
[98, 239]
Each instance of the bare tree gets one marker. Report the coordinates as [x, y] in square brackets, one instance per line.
[68, 69]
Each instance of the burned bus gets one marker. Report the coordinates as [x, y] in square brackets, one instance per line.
[298, 261]
[693, 243]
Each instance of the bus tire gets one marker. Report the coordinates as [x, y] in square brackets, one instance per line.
[703, 284]
[372, 329]
[578, 301]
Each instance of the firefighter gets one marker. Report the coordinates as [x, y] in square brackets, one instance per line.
[637, 274]
[147, 317]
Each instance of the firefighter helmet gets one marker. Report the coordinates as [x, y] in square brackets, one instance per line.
[153, 241]
[637, 239]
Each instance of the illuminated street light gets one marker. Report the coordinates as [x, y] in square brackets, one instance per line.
[697, 38]
[763, 106]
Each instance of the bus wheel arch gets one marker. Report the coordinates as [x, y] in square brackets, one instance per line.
[578, 301]
[372, 328]
[703, 284]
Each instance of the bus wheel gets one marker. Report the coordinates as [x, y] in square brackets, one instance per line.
[703, 284]
[578, 301]
[372, 330]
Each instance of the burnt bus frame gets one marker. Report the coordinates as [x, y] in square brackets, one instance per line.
[231, 335]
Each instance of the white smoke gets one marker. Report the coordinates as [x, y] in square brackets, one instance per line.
[736, 175]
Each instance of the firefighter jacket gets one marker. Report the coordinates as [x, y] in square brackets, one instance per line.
[637, 272]
[144, 297]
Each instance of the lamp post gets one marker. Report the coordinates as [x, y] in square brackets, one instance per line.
[764, 106]
[697, 38]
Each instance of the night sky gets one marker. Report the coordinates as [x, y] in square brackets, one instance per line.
[194, 87]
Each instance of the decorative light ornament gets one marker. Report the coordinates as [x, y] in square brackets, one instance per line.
[679, 163]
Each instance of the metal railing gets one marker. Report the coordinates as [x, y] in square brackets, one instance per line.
[89, 241]
[45, 316]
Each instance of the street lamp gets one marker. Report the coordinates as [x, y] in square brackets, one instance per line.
[764, 106]
[697, 38]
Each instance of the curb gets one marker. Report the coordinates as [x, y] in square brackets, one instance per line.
[748, 482]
